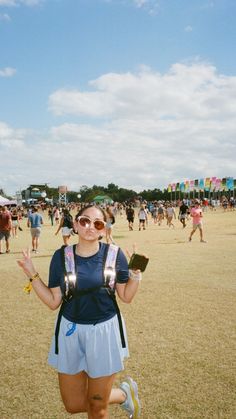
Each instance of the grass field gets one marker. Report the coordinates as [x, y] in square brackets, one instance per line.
[181, 325]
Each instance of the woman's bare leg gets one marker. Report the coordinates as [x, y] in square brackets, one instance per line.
[81, 393]
[74, 389]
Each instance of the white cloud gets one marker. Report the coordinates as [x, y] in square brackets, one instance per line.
[7, 72]
[5, 17]
[186, 90]
[142, 130]
[188, 28]
[7, 2]
[11, 138]
[152, 6]
[140, 3]
[10, 3]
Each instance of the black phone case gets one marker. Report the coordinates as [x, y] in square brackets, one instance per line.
[138, 262]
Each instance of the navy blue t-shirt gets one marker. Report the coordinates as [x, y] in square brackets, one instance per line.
[94, 307]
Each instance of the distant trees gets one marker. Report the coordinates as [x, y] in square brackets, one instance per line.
[116, 193]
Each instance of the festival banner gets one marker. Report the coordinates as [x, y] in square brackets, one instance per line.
[191, 185]
[182, 187]
[177, 188]
[234, 183]
[223, 184]
[207, 183]
[230, 183]
[187, 188]
[201, 185]
[169, 188]
[173, 187]
[196, 185]
[213, 184]
[218, 185]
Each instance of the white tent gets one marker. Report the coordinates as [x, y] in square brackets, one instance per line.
[5, 201]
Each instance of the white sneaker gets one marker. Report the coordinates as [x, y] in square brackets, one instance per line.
[131, 404]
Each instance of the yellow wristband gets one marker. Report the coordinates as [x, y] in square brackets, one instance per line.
[35, 276]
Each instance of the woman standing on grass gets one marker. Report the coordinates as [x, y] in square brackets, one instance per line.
[90, 345]
[110, 220]
[66, 226]
[15, 222]
[196, 214]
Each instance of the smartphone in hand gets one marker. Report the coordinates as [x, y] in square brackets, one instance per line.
[138, 262]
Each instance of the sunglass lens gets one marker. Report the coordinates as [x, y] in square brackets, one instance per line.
[84, 222]
[99, 225]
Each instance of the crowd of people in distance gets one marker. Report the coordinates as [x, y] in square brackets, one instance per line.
[138, 215]
[89, 344]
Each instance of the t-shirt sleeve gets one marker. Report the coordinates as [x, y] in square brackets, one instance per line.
[122, 268]
[55, 270]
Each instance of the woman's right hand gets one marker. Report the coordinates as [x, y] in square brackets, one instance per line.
[26, 263]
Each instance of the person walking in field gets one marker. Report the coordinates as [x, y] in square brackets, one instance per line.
[35, 221]
[160, 213]
[183, 213]
[170, 214]
[65, 225]
[196, 214]
[109, 225]
[143, 218]
[90, 342]
[130, 216]
[5, 227]
[15, 222]
[155, 213]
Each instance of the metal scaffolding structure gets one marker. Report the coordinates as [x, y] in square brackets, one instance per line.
[62, 194]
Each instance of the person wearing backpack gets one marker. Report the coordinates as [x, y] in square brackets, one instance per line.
[66, 226]
[90, 349]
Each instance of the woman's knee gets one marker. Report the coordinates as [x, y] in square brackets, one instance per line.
[97, 408]
[75, 406]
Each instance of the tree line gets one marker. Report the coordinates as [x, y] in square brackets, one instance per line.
[117, 194]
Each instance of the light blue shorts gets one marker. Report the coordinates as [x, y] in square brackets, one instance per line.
[95, 349]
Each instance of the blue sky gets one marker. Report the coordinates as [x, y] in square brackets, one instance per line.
[136, 92]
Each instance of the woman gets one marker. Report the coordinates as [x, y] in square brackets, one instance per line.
[15, 222]
[66, 226]
[143, 217]
[110, 220]
[170, 213]
[196, 214]
[90, 349]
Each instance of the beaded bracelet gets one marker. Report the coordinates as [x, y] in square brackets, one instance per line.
[28, 287]
[35, 276]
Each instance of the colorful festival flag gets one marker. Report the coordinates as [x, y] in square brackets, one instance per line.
[207, 184]
[218, 185]
[213, 183]
[230, 183]
[187, 188]
[223, 184]
[201, 185]
[191, 185]
[182, 187]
